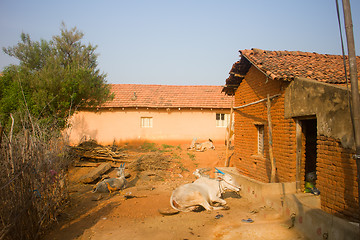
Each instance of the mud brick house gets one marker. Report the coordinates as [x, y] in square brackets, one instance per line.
[155, 113]
[309, 118]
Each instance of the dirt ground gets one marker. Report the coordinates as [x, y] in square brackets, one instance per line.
[133, 213]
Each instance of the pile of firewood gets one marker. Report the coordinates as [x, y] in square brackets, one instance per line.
[93, 151]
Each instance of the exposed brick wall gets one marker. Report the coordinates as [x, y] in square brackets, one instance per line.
[337, 179]
[253, 88]
[336, 170]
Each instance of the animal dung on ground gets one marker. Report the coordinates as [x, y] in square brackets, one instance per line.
[168, 211]
[145, 188]
[218, 216]
[129, 196]
[249, 220]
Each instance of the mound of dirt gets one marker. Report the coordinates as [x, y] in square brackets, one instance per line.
[151, 167]
[151, 162]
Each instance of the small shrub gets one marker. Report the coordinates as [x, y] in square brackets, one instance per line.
[191, 156]
[149, 147]
[165, 146]
[184, 169]
[175, 156]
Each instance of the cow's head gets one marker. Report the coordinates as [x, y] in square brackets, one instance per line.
[227, 181]
[121, 171]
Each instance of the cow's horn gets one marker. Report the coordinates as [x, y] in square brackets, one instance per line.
[219, 171]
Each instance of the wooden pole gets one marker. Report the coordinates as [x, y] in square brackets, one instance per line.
[227, 160]
[1, 132]
[298, 154]
[354, 87]
[272, 160]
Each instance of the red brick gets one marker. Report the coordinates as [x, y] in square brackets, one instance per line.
[335, 167]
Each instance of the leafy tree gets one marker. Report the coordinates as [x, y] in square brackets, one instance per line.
[52, 79]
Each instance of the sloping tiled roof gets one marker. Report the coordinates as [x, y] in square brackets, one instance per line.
[167, 96]
[287, 65]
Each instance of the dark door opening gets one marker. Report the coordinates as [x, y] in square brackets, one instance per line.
[310, 132]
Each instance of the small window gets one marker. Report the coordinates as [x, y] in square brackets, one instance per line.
[260, 140]
[222, 119]
[146, 122]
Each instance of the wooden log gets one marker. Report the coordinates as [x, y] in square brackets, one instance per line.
[272, 160]
[298, 155]
[86, 164]
[1, 132]
[94, 164]
[229, 135]
[96, 173]
[104, 158]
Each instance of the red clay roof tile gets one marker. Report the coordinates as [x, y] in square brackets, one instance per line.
[168, 96]
[286, 65]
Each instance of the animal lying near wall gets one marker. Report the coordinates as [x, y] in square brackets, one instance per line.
[112, 184]
[204, 192]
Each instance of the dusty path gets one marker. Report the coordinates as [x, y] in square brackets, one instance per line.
[116, 217]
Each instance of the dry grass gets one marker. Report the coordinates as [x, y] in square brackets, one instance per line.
[33, 186]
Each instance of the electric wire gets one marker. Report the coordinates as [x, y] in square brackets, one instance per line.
[345, 71]
[348, 91]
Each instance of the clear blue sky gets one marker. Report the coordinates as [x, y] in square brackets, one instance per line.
[185, 42]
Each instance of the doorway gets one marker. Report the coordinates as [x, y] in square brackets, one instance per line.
[309, 129]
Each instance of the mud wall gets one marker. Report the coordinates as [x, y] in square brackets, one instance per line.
[304, 97]
[336, 169]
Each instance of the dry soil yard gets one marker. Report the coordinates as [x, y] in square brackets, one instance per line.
[133, 213]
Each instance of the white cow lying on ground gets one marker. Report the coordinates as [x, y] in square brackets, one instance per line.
[200, 147]
[205, 145]
[112, 184]
[203, 192]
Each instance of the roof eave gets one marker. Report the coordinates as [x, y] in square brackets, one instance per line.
[147, 107]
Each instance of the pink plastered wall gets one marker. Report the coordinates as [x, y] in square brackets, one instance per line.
[123, 125]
